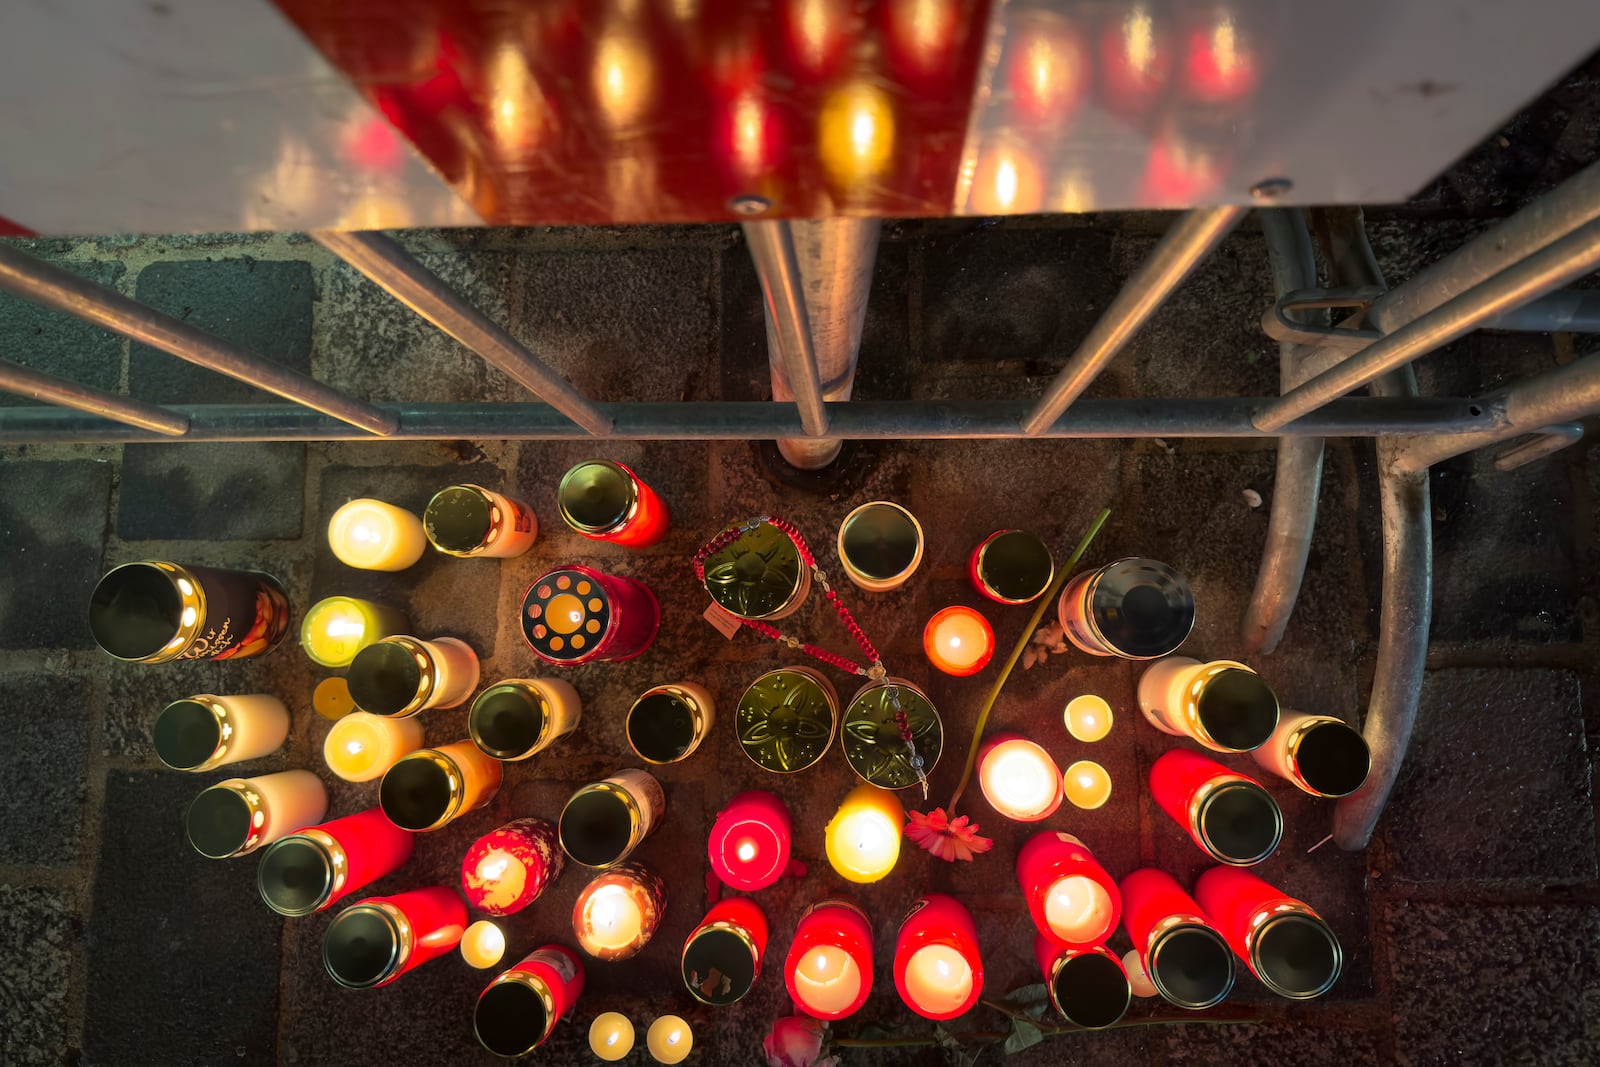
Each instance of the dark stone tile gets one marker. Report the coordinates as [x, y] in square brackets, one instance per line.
[45, 719]
[52, 537]
[1495, 787]
[1305, 1041]
[57, 343]
[182, 958]
[212, 492]
[38, 928]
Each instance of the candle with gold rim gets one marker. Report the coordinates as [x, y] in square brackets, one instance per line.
[863, 838]
[1224, 705]
[376, 940]
[201, 732]
[1087, 987]
[312, 868]
[1230, 816]
[519, 1009]
[1086, 784]
[241, 815]
[432, 787]
[469, 520]
[606, 501]
[520, 717]
[617, 913]
[373, 536]
[400, 675]
[722, 957]
[361, 747]
[337, 627]
[605, 821]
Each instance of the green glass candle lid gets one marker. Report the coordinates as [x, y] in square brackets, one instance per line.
[786, 719]
[757, 575]
[873, 744]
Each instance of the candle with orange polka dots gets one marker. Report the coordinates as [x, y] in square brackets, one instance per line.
[576, 615]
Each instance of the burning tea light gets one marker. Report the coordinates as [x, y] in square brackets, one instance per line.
[338, 627]
[1086, 784]
[669, 1039]
[937, 969]
[1019, 779]
[958, 641]
[1072, 899]
[863, 838]
[829, 968]
[361, 747]
[506, 869]
[483, 945]
[373, 536]
[1088, 717]
[611, 1036]
[617, 913]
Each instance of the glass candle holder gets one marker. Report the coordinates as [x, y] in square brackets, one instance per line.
[432, 787]
[507, 868]
[240, 815]
[722, 957]
[1318, 753]
[938, 970]
[611, 1036]
[337, 627]
[361, 747]
[1073, 901]
[1223, 705]
[606, 501]
[469, 520]
[1019, 779]
[669, 1039]
[1181, 953]
[604, 822]
[312, 869]
[1087, 986]
[862, 840]
[668, 722]
[1131, 609]
[519, 1009]
[1011, 567]
[874, 738]
[829, 967]
[787, 718]
[618, 912]
[880, 546]
[758, 575]
[199, 733]
[1228, 815]
[578, 615]
[1284, 942]
[958, 640]
[750, 840]
[370, 535]
[154, 612]
[400, 676]
[521, 717]
[376, 940]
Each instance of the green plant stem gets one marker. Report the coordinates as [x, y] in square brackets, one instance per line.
[911, 1042]
[1045, 601]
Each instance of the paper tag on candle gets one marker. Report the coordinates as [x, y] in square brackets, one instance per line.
[725, 622]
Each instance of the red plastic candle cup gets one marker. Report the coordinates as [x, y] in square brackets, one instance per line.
[1231, 817]
[749, 843]
[1285, 943]
[1011, 567]
[576, 615]
[606, 501]
[829, 969]
[506, 869]
[1073, 901]
[1086, 986]
[722, 958]
[1019, 779]
[938, 970]
[1185, 957]
[311, 869]
[376, 940]
[521, 1006]
[958, 640]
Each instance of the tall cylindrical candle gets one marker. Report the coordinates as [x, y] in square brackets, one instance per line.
[1086, 986]
[154, 611]
[520, 717]
[199, 733]
[241, 815]
[1019, 779]
[506, 869]
[1011, 567]
[361, 747]
[749, 842]
[577, 615]
[880, 546]
[378, 939]
[1285, 943]
[668, 722]
[1181, 953]
[722, 957]
[958, 640]
[829, 967]
[400, 676]
[1230, 816]
[938, 970]
[469, 520]
[1224, 705]
[373, 536]
[602, 823]
[1072, 900]
[516, 1013]
[1130, 608]
[337, 627]
[433, 787]
[862, 840]
[310, 870]
[618, 912]
[606, 501]
[1318, 753]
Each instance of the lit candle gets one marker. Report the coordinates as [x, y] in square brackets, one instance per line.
[606, 501]
[519, 1009]
[578, 615]
[1011, 567]
[1286, 944]
[958, 641]
[722, 957]
[863, 838]
[1177, 953]
[1072, 900]
[750, 840]
[669, 1039]
[483, 945]
[1130, 608]
[1223, 705]
[829, 967]
[1228, 815]
[1086, 784]
[1088, 718]
[401, 675]
[361, 747]
[373, 536]
[1139, 983]
[1318, 753]
[668, 722]
[154, 612]
[506, 869]
[203, 732]
[880, 546]
[432, 787]
[331, 698]
[375, 941]
[1086, 986]
[1019, 779]
[520, 717]
[241, 815]
[611, 1036]
[602, 823]
[937, 967]
[338, 627]
[469, 520]
[617, 913]
[310, 870]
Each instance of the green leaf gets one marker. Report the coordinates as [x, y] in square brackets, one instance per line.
[876, 1032]
[1023, 1035]
[946, 1039]
[1029, 996]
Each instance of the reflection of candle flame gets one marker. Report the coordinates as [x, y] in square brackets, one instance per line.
[1225, 46]
[1005, 183]
[749, 128]
[812, 22]
[622, 78]
[856, 133]
[1138, 40]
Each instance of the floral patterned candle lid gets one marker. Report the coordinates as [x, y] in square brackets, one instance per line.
[875, 726]
[787, 718]
[757, 574]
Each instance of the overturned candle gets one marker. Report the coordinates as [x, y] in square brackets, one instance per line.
[519, 1009]
[1019, 779]
[241, 815]
[1086, 986]
[202, 732]
[1176, 950]
[1223, 705]
[469, 520]
[1230, 816]
[373, 536]
[432, 787]
[1285, 943]
[722, 957]
[400, 676]
[375, 941]
[937, 967]
[313, 868]
[1319, 754]
[862, 840]
[829, 967]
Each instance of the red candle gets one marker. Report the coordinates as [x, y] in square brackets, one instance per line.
[505, 870]
[1072, 899]
[376, 940]
[938, 970]
[521, 1006]
[1184, 956]
[749, 843]
[1285, 943]
[1011, 567]
[829, 969]
[1230, 816]
[606, 501]
[309, 870]
[1087, 987]
[576, 615]
[958, 641]
[722, 958]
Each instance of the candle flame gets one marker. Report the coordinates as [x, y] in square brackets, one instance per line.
[345, 628]
[1086, 780]
[747, 851]
[672, 1038]
[944, 969]
[354, 747]
[365, 533]
[612, 1039]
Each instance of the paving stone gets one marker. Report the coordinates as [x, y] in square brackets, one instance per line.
[52, 535]
[45, 719]
[38, 928]
[1306, 1043]
[212, 492]
[213, 997]
[57, 343]
[1494, 984]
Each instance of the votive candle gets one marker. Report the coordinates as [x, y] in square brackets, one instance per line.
[669, 1039]
[361, 747]
[576, 615]
[618, 912]
[1319, 754]
[1130, 608]
[202, 732]
[611, 1036]
[938, 970]
[241, 815]
[880, 546]
[1088, 718]
[507, 868]
[400, 675]
[1072, 900]
[1086, 986]
[521, 717]
[1011, 567]
[958, 640]
[337, 627]
[1177, 950]
[483, 945]
[606, 501]
[469, 520]
[829, 967]
[376, 940]
[373, 536]
[1285, 943]
[1227, 814]
[750, 840]
[722, 957]
[1223, 705]
[1086, 784]
[862, 840]
[668, 722]
[433, 787]
[602, 823]
[519, 1009]
[1019, 779]
[313, 868]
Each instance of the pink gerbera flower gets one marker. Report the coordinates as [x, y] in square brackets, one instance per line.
[949, 839]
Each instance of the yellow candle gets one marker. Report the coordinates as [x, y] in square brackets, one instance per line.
[611, 1035]
[669, 1039]
[338, 627]
[1078, 909]
[483, 945]
[202, 732]
[332, 698]
[1138, 981]
[564, 614]
[373, 536]
[1088, 717]
[863, 839]
[938, 978]
[360, 747]
[1018, 779]
[827, 979]
[1087, 784]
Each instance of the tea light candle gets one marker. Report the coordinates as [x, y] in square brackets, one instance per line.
[203, 732]
[506, 869]
[241, 815]
[611, 1036]
[617, 913]
[338, 627]
[958, 640]
[1088, 718]
[750, 840]
[829, 967]
[373, 536]
[669, 1039]
[483, 945]
[1139, 983]
[1019, 779]
[863, 838]
[1087, 784]
[361, 747]
[937, 969]
[1072, 900]
[331, 699]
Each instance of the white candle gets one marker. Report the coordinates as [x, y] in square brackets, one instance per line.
[669, 1039]
[202, 732]
[611, 1036]
[1020, 780]
[827, 979]
[1088, 717]
[1087, 784]
[483, 945]
[262, 809]
[455, 668]
[1138, 981]
[1078, 910]
[292, 799]
[361, 747]
[373, 536]
[612, 919]
[938, 978]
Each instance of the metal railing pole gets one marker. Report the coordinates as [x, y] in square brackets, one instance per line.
[783, 290]
[25, 381]
[395, 271]
[1177, 254]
